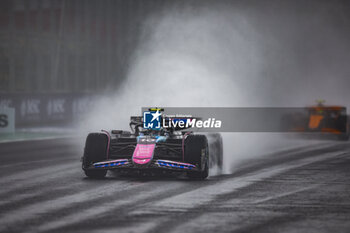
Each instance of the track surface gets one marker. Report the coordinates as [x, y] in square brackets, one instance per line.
[298, 190]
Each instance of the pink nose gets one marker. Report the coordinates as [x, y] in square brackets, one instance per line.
[143, 153]
[141, 161]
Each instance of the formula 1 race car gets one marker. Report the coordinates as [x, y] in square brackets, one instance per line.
[326, 120]
[142, 150]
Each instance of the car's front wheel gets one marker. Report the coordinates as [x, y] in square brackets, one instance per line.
[197, 152]
[201, 175]
[95, 150]
[95, 174]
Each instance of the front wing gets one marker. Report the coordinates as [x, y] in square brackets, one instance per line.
[128, 164]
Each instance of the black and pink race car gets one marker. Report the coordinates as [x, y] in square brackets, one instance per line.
[145, 150]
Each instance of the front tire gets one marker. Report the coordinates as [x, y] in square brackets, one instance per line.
[95, 151]
[95, 174]
[197, 152]
[201, 175]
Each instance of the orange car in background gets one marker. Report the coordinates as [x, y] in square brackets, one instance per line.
[328, 119]
[324, 119]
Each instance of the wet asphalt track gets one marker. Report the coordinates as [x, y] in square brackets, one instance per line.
[305, 189]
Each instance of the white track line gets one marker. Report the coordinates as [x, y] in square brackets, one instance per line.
[33, 210]
[202, 220]
[38, 172]
[208, 193]
[33, 162]
[284, 194]
[38, 192]
[286, 153]
[34, 139]
[32, 178]
[97, 211]
[186, 200]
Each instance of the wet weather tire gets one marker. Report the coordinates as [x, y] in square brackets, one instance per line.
[197, 152]
[95, 151]
[201, 175]
[95, 174]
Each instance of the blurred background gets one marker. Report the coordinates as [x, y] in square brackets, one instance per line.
[56, 55]
[59, 59]
[68, 46]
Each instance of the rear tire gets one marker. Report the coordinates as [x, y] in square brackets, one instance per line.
[95, 151]
[197, 152]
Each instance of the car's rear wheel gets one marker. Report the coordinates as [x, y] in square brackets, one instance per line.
[95, 151]
[197, 152]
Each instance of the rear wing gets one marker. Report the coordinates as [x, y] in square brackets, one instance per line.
[136, 119]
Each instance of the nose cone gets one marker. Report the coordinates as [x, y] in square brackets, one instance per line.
[143, 153]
